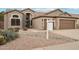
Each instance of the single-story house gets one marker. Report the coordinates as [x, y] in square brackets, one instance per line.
[56, 19]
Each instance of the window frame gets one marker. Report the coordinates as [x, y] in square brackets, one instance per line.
[15, 21]
[15, 16]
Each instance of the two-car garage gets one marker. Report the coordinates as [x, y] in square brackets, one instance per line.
[67, 24]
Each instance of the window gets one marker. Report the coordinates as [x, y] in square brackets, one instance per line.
[15, 16]
[12, 22]
[15, 22]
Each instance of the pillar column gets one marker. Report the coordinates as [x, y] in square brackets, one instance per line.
[58, 23]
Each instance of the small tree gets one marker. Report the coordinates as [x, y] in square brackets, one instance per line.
[1, 17]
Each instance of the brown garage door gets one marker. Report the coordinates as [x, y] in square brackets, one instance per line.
[67, 24]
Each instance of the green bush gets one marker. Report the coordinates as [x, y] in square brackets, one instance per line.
[2, 40]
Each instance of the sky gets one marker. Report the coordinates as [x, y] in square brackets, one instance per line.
[69, 10]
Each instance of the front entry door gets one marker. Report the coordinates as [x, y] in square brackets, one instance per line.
[50, 25]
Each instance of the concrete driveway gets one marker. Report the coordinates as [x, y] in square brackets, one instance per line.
[66, 46]
[72, 33]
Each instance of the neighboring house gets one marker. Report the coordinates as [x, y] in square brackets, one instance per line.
[56, 19]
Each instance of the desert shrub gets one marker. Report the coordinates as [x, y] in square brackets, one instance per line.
[2, 40]
[7, 35]
[16, 29]
[10, 35]
[10, 29]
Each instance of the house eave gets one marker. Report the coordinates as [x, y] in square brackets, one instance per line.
[55, 17]
[12, 11]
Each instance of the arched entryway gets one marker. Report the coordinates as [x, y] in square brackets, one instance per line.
[28, 20]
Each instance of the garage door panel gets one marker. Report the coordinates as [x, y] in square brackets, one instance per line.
[67, 24]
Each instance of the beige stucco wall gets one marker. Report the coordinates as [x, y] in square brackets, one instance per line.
[56, 23]
[39, 23]
[7, 20]
[77, 23]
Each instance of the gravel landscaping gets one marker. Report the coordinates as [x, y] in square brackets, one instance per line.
[31, 40]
